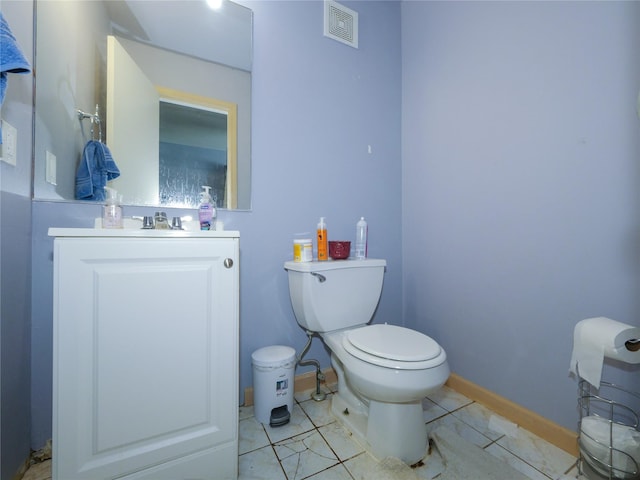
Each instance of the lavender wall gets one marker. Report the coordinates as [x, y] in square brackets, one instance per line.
[317, 105]
[515, 206]
[15, 258]
[521, 186]
[15, 332]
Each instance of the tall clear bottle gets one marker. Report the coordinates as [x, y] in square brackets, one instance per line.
[322, 239]
[362, 233]
[112, 211]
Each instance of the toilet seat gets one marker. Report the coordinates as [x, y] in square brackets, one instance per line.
[394, 347]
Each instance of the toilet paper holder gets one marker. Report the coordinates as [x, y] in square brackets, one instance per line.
[609, 436]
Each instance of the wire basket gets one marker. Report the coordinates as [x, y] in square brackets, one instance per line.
[609, 436]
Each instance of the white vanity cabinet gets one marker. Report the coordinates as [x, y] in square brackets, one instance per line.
[145, 372]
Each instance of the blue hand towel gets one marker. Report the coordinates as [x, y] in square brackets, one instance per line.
[11, 58]
[94, 170]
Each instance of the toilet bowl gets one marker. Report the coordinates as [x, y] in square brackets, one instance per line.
[381, 366]
[380, 399]
[384, 371]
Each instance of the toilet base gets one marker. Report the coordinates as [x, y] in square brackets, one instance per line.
[384, 429]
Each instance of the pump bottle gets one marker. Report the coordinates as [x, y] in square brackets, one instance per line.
[112, 211]
[206, 210]
[361, 239]
[322, 239]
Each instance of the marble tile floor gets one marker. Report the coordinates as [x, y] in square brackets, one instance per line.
[315, 446]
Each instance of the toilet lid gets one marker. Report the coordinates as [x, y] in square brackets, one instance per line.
[393, 343]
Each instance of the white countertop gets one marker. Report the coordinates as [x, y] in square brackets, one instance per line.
[133, 233]
[133, 229]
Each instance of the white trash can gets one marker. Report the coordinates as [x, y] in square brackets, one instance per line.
[273, 369]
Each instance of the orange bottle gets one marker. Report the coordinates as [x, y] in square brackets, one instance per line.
[322, 239]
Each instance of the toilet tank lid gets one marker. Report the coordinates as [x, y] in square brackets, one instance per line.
[316, 266]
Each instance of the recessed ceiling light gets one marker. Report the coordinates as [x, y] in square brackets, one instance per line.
[214, 4]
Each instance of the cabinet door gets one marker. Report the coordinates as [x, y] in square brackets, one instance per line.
[145, 358]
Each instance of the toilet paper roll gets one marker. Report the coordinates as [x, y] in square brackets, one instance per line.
[595, 339]
[597, 434]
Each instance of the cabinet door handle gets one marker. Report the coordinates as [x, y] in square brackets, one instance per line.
[228, 262]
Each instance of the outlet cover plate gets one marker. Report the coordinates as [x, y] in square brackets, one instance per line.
[9, 143]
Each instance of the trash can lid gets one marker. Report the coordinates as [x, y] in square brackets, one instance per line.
[273, 355]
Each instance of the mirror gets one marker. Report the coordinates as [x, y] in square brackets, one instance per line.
[198, 128]
[197, 147]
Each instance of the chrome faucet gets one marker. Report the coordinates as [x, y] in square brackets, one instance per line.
[161, 221]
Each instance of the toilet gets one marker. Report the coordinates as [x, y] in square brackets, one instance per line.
[384, 371]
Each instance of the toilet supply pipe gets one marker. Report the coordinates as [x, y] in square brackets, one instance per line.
[318, 395]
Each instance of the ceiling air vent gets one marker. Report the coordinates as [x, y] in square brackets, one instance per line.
[340, 23]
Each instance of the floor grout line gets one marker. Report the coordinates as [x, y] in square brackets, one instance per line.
[359, 457]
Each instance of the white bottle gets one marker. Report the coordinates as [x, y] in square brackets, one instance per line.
[361, 239]
[206, 210]
[112, 211]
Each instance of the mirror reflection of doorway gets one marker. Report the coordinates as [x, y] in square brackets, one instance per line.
[193, 152]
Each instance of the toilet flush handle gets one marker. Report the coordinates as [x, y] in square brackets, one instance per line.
[321, 278]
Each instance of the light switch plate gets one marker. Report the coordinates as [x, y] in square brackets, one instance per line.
[9, 143]
[50, 169]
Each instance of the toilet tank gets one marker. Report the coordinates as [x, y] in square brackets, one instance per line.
[335, 294]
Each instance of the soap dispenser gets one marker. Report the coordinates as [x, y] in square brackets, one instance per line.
[112, 210]
[206, 210]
